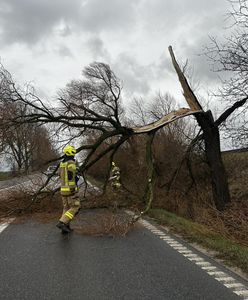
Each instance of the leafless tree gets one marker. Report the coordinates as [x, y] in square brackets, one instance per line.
[26, 146]
[229, 57]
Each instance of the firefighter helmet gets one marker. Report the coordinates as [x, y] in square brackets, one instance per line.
[69, 150]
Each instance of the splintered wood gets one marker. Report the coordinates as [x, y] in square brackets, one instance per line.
[171, 117]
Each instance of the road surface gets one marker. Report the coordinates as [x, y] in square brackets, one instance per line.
[37, 262]
[34, 182]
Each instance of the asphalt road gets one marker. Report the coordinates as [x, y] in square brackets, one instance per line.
[33, 183]
[37, 262]
[28, 181]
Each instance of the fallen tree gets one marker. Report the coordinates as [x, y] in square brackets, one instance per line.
[94, 106]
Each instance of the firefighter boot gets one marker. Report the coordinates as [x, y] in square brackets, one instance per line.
[63, 227]
[69, 227]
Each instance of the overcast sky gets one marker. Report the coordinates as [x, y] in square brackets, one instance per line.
[49, 42]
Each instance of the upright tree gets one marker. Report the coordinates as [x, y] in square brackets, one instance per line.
[26, 146]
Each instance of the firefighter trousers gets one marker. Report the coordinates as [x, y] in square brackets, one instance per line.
[71, 206]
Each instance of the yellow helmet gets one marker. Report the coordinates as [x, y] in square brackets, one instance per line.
[69, 150]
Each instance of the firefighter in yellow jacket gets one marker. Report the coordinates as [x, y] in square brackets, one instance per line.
[68, 189]
[115, 176]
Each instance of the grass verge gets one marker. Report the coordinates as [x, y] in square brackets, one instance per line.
[5, 175]
[232, 253]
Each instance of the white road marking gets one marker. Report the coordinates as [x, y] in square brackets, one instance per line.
[190, 255]
[180, 247]
[209, 268]
[183, 251]
[202, 263]
[196, 259]
[6, 224]
[187, 254]
[242, 292]
[216, 273]
[225, 278]
[173, 244]
[166, 238]
[229, 282]
[234, 285]
[156, 231]
[3, 226]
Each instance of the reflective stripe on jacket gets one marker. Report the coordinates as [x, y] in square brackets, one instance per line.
[115, 173]
[67, 176]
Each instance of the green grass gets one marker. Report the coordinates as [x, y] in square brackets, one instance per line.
[5, 175]
[238, 155]
[232, 253]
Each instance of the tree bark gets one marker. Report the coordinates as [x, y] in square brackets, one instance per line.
[149, 191]
[220, 189]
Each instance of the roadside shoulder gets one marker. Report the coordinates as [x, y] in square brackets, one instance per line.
[226, 251]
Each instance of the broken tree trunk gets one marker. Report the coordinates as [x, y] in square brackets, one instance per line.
[220, 189]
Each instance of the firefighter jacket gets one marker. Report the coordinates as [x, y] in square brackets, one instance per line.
[68, 176]
[115, 177]
[115, 173]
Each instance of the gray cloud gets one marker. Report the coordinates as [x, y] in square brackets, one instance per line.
[66, 31]
[28, 21]
[113, 15]
[131, 36]
[171, 15]
[64, 51]
[135, 76]
[97, 49]
[185, 25]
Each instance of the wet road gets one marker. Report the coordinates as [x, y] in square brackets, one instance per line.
[37, 262]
